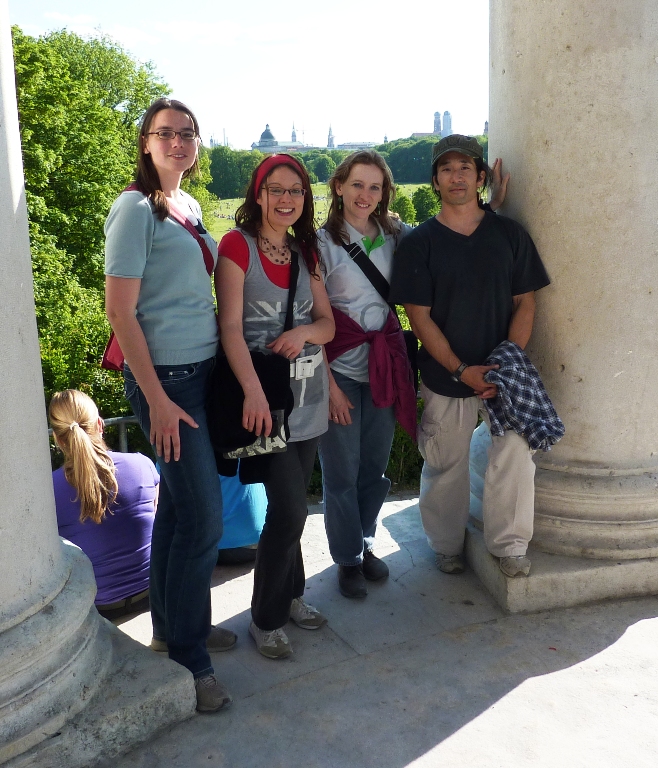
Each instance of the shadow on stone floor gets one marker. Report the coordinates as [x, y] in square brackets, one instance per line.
[405, 672]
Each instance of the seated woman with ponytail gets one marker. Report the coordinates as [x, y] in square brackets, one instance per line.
[105, 504]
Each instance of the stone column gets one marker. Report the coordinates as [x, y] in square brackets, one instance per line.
[51, 652]
[56, 651]
[574, 110]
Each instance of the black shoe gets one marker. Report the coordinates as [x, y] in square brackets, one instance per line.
[351, 581]
[373, 568]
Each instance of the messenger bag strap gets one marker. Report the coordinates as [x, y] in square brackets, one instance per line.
[379, 282]
[294, 275]
[182, 219]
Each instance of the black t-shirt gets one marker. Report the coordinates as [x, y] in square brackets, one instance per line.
[468, 281]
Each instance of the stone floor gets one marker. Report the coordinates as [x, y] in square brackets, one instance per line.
[426, 671]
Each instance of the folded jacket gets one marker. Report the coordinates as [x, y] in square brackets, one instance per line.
[389, 371]
[522, 404]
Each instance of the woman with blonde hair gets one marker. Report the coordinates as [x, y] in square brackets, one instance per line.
[370, 380]
[105, 503]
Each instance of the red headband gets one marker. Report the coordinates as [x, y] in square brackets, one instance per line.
[268, 164]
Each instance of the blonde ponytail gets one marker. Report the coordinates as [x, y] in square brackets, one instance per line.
[88, 466]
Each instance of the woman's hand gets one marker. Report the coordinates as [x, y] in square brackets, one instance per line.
[290, 343]
[256, 416]
[499, 185]
[165, 416]
[339, 406]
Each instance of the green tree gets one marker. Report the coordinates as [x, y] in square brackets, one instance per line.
[324, 166]
[231, 170]
[197, 186]
[425, 202]
[403, 206]
[410, 160]
[78, 102]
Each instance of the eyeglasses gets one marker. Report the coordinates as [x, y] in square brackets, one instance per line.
[280, 191]
[186, 135]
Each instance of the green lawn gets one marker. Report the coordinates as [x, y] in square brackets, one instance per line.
[223, 220]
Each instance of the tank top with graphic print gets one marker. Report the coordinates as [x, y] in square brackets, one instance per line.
[263, 320]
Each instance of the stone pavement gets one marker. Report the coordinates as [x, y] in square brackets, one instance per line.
[426, 671]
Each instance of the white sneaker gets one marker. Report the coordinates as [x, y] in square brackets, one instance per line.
[273, 644]
[515, 565]
[305, 615]
[450, 563]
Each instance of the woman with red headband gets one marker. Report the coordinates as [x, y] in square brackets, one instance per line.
[252, 283]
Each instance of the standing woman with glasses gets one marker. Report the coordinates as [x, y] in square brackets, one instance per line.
[159, 302]
[274, 228]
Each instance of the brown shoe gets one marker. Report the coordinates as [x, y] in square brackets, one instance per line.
[351, 581]
[373, 568]
[211, 695]
[450, 563]
[220, 639]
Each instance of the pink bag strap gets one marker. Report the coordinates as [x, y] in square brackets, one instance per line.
[182, 219]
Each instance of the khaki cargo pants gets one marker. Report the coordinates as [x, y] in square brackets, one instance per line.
[444, 439]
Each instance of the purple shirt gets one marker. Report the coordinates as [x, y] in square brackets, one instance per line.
[120, 547]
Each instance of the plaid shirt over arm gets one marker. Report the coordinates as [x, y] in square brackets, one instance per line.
[521, 404]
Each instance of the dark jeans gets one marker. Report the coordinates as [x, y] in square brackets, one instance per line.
[354, 459]
[279, 573]
[188, 521]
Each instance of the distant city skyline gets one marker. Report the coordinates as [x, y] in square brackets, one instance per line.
[237, 71]
[268, 141]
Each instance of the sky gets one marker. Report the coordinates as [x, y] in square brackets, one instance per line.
[365, 70]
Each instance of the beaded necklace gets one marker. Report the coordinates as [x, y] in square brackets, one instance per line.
[276, 254]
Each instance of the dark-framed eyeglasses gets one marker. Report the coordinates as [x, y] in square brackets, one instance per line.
[186, 135]
[280, 191]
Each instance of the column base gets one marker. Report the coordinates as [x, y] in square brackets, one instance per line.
[557, 581]
[142, 693]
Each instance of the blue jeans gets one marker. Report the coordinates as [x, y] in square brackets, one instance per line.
[354, 459]
[188, 521]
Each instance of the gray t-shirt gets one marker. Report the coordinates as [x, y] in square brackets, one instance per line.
[263, 320]
[175, 308]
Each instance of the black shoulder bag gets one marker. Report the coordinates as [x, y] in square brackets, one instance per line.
[229, 438]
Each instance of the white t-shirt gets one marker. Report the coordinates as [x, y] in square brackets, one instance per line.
[351, 292]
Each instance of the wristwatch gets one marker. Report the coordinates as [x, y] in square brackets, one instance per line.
[457, 374]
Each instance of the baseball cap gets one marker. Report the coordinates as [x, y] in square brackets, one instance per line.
[467, 145]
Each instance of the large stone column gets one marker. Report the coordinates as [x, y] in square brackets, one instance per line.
[574, 109]
[574, 96]
[56, 652]
[51, 653]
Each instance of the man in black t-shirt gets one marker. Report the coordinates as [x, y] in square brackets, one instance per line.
[467, 279]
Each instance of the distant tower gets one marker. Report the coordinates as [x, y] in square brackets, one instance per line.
[330, 140]
[385, 139]
[486, 127]
[447, 124]
[294, 134]
[437, 123]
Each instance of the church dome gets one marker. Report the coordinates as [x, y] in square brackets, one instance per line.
[267, 135]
